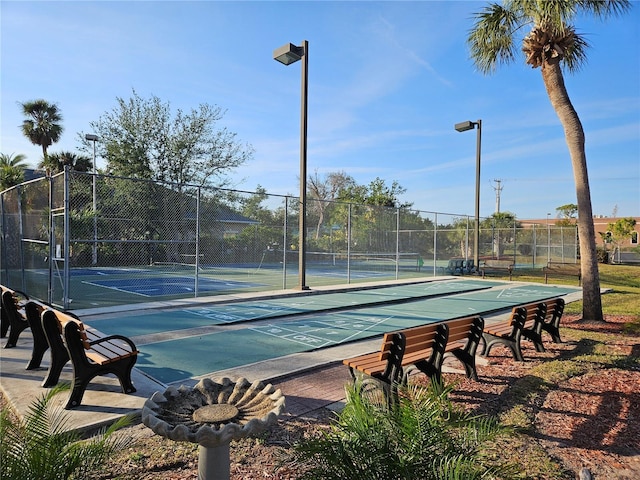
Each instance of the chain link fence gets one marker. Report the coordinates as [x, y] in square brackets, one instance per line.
[79, 240]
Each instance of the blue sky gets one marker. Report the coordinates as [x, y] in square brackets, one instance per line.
[387, 82]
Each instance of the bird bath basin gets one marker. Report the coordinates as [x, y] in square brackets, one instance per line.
[212, 414]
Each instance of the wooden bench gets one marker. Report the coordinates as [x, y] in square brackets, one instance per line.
[525, 320]
[422, 347]
[384, 365]
[90, 353]
[560, 269]
[462, 342]
[551, 322]
[13, 318]
[497, 266]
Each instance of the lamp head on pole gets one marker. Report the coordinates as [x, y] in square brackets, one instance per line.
[464, 126]
[288, 54]
[91, 137]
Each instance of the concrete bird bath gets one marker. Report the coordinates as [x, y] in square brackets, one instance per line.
[212, 414]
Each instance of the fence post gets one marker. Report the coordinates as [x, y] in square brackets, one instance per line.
[349, 244]
[197, 262]
[397, 242]
[66, 240]
[284, 243]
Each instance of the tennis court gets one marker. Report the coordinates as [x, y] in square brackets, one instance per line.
[110, 286]
[185, 343]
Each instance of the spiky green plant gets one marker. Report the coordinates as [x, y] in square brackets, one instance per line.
[41, 446]
[421, 436]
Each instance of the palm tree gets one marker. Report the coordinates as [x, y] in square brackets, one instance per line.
[11, 170]
[56, 162]
[551, 43]
[42, 125]
[13, 160]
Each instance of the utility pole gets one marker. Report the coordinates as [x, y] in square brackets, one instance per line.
[498, 189]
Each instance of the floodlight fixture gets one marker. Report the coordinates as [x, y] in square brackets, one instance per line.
[464, 126]
[288, 54]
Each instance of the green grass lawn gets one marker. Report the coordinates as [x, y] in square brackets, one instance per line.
[623, 282]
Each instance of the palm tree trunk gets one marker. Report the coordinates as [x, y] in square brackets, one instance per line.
[574, 136]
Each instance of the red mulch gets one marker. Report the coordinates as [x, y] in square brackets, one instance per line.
[590, 421]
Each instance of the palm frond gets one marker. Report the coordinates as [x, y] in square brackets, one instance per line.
[411, 438]
[492, 39]
[42, 446]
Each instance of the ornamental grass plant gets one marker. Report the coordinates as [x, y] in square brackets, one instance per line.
[41, 446]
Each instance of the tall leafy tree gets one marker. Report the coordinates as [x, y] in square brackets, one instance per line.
[568, 215]
[619, 231]
[551, 44]
[324, 190]
[145, 138]
[42, 125]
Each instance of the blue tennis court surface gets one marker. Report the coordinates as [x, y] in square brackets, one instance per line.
[83, 272]
[159, 286]
[196, 353]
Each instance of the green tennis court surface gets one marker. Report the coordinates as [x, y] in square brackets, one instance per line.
[144, 324]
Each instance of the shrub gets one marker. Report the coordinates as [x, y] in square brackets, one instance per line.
[42, 447]
[421, 436]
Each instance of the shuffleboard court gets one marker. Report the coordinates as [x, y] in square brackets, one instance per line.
[178, 359]
[135, 324]
[479, 302]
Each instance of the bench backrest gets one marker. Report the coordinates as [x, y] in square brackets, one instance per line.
[387, 345]
[10, 301]
[77, 338]
[555, 309]
[64, 318]
[392, 351]
[517, 320]
[466, 328]
[570, 268]
[498, 263]
[425, 337]
[534, 312]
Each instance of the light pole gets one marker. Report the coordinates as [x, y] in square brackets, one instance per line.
[288, 54]
[94, 251]
[463, 127]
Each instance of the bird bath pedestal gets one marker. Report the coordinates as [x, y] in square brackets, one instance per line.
[212, 414]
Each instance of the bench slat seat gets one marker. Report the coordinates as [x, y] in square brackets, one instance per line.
[90, 354]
